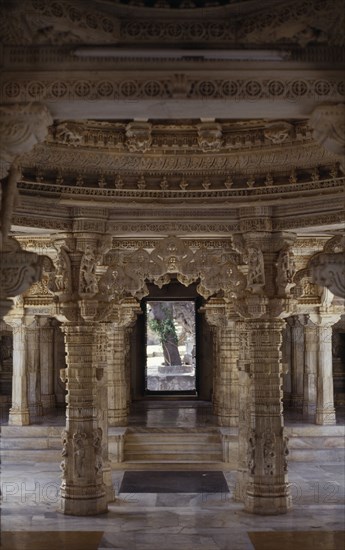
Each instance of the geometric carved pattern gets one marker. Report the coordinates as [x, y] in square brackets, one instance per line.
[170, 87]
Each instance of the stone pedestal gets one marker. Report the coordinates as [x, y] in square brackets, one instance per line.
[82, 489]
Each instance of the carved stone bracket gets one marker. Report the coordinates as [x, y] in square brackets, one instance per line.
[328, 124]
[327, 269]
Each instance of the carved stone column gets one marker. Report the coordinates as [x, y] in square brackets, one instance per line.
[267, 489]
[310, 369]
[19, 412]
[34, 367]
[101, 390]
[244, 434]
[80, 307]
[296, 324]
[124, 316]
[266, 300]
[325, 412]
[47, 363]
[225, 390]
[82, 488]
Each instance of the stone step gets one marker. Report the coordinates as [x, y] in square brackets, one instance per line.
[320, 456]
[316, 442]
[179, 454]
[197, 446]
[28, 455]
[173, 446]
[31, 443]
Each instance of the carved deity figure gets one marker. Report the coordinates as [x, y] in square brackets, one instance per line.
[286, 269]
[256, 271]
[88, 280]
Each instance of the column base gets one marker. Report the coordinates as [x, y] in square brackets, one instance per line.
[325, 417]
[268, 499]
[19, 418]
[227, 420]
[117, 418]
[77, 501]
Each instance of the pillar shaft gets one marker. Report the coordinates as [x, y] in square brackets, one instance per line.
[117, 386]
[227, 379]
[267, 489]
[310, 369]
[82, 489]
[47, 364]
[34, 369]
[325, 412]
[297, 362]
[19, 412]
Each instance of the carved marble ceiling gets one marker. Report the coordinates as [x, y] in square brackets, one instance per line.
[178, 136]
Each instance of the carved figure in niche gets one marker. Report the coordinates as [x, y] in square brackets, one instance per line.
[286, 269]
[79, 440]
[87, 279]
[67, 135]
[256, 271]
[251, 452]
[61, 273]
[138, 136]
[269, 453]
[209, 136]
[97, 443]
[64, 437]
[286, 452]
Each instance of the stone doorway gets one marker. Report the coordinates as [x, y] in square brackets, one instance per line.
[189, 373]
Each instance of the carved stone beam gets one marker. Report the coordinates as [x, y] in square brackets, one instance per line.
[328, 123]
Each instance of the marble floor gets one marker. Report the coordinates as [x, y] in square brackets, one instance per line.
[157, 521]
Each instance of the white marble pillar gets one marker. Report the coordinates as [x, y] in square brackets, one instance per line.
[34, 367]
[310, 369]
[267, 489]
[19, 412]
[296, 323]
[83, 491]
[117, 382]
[244, 391]
[325, 412]
[228, 379]
[47, 363]
[101, 389]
